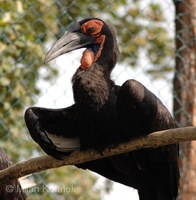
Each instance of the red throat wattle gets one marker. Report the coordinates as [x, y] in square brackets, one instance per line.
[87, 59]
[92, 27]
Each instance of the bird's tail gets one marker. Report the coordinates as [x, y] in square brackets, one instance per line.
[164, 186]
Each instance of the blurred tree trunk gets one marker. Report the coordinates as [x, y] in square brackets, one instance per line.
[185, 91]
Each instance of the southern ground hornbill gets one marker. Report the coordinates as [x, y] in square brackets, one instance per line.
[105, 114]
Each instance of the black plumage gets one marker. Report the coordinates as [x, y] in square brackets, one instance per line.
[11, 190]
[105, 114]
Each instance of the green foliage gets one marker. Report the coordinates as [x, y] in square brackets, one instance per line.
[26, 28]
[22, 38]
[142, 31]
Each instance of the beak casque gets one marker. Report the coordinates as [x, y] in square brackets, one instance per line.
[71, 40]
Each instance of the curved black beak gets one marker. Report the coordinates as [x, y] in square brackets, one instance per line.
[71, 40]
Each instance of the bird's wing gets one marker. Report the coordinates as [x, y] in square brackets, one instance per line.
[53, 129]
[140, 112]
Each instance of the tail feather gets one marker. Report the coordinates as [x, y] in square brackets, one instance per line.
[163, 186]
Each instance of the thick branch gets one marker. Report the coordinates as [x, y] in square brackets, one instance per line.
[156, 139]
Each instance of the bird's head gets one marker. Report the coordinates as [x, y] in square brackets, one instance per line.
[99, 39]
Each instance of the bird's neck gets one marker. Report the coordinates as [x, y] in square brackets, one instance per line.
[92, 87]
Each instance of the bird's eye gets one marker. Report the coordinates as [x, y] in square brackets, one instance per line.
[90, 30]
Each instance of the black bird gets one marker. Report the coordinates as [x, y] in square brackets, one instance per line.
[105, 115]
[11, 190]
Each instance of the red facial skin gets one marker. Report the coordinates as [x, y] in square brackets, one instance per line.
[92, 27]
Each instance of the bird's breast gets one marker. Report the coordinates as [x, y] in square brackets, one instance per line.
[91, 89]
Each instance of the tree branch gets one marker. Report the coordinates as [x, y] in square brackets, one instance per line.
[153, 140]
